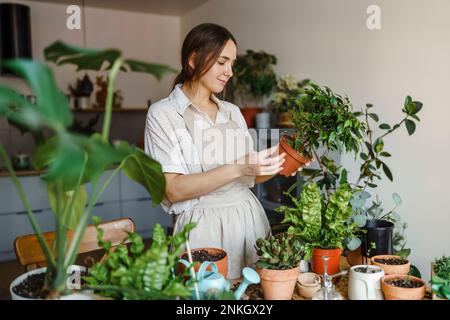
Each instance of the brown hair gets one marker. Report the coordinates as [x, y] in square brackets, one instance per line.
[207, 41]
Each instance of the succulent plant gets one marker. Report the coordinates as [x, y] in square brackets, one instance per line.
[279, 252]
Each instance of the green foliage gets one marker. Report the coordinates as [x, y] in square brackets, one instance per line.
[133, 273]
[67, 160]
[254, 75]
[287, 92]
[318, 223]
[323, 118]
[440, 282]
[280, 252]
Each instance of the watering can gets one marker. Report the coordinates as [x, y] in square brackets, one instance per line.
[213, 281]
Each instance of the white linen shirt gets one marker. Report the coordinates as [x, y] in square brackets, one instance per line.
[168, 141]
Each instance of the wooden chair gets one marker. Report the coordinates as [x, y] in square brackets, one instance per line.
[30, 255]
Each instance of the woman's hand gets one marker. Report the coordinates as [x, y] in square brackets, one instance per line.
[301, 168]
[263, 163]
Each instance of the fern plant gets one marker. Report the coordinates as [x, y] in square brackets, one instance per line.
[133, 273]
[319, 223]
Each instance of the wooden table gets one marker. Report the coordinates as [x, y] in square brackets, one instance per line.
[254, 292]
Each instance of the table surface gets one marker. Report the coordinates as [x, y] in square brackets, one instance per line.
[254, 292]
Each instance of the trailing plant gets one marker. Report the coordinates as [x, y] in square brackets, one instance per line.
[254, 76]
[134, 273]
[68, 160]
[373, 167]
[320, 223]
[322, 118]
[440, 282]
[288, 90]
[282, 251]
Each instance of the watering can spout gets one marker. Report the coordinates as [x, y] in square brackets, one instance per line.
[250, 277]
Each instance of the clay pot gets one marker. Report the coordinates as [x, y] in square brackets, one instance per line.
[249, 114]
[333, 265]
[391, 269]
[398, 293]
[308, 283]
[222, 264]
[293, 160]
[284, 120]
[354, 258]
[278, 284]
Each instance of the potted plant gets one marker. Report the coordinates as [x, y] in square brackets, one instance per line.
[321, 223]
[440, 278]
[321, 119]
[402, 287]
[253, 81]
[373, 155]
[364, 283]
[288, 90]
[391, 264]
[200, 255]
[135, 273]
[278, 265]
[69, 161]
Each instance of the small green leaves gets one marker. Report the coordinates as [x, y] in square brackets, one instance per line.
[374, 117]
[385, 126]
[410, 126]
[397, 199]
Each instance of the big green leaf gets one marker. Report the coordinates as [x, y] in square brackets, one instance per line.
[410, 126]
[158, 70]
[65, 155]
[66, 197]
[51, 105]
[85, 59]
[142, 169]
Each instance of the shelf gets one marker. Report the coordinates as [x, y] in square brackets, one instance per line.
[120, 110]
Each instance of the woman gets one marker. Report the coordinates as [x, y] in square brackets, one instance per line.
[206, 152]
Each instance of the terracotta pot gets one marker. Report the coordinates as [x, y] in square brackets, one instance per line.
[397, 293]
[333, 265]
[278, 284]
[284, 120]
[249, 114]
[355, 258]
[293, 160]
[222, 264]
[308, 283]
[391, 269]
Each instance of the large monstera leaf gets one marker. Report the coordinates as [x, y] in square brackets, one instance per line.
[93, 59]
[52, 109]
[64, 156]
[142, 169]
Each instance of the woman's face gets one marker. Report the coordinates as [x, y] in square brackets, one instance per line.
[218, 75]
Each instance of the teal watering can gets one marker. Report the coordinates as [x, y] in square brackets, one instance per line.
[213, 281]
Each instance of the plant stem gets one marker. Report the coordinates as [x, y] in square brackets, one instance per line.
[37, 230]
[109, 98]
[322, 170]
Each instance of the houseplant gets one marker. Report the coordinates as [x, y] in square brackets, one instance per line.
[200, 255]
[321, 118]
[278, 265]
[253, 81]
[440, 278]
[402, 287]
[69, 161]
[373, 167]
[321, 223]
[391, 264]
[286, 93]
[136, 273]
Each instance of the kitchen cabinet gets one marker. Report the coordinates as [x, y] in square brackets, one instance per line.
[122, 198]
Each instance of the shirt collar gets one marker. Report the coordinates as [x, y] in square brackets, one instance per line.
[182, 102]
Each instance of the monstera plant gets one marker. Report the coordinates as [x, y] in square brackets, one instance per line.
[68, 161]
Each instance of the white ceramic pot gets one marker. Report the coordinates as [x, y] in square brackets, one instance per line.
[74, 296]
[365, 286]
[263, 120]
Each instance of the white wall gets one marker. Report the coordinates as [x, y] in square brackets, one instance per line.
[328, 42]
[147, 37]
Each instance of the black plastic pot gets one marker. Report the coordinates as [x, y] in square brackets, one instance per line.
[380, 232]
